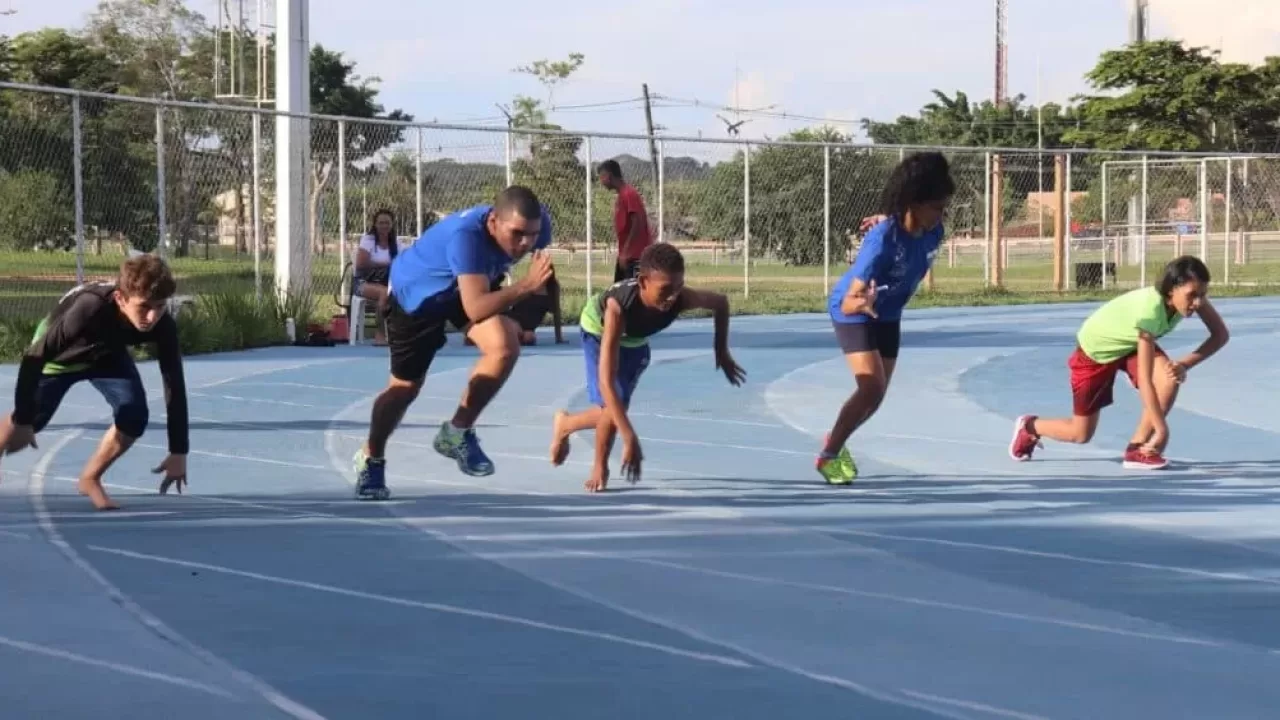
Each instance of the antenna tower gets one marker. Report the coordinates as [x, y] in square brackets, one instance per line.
[1002, 52]
[1139, 21]
[244, 62]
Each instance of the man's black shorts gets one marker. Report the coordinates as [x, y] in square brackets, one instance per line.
[530, 311]
[626, 270]
[413, 339]
[884, 337]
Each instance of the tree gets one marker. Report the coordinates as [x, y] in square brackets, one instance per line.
[954, 121]
[552, 168]
[1165, 96]
[787, 195]
[160, 50]
[56, 58]
[337, 90]
[119, 180]
[35, 211]
[165, 50]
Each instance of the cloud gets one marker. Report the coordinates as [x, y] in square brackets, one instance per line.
[1245, 30]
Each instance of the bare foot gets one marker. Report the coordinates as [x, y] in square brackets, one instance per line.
[559, 439]
[97, 495]
[598, 482]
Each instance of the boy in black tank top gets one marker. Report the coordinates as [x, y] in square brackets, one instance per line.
[87, 338]
[616, 327]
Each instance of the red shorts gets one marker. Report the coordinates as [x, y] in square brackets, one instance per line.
[1091, 381]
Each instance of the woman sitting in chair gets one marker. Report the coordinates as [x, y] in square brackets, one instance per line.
[372, 266]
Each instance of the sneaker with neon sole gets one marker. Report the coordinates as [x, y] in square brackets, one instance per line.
[837, 470]
[463, 447]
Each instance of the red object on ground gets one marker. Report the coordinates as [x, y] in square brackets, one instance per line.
[339, 330]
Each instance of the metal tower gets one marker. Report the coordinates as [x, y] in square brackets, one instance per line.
[242, 46]
[1139, 21]
[1002, 52]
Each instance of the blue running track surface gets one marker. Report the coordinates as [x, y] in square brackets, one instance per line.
[948, 582]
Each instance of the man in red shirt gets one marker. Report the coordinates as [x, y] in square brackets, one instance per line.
[629, 220]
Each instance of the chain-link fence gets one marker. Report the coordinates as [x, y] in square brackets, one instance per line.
[85, 177]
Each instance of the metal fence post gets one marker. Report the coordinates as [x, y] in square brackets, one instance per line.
[986, 223]
[1106, 231]
[342, 205]
[257, 207]
[1066, 210]
[162, 226]
[590, 221]
[1204, 210]
[417, 181]
[746, 220]
[826, 219]
[1226, 234]
[510, 152]
[77, 174]
[662, 183]
[1142, 224]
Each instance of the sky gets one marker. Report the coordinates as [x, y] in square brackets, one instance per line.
[838, 60]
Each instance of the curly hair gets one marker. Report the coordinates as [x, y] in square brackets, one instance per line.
[923, 177]
[662, 257]
[146, 276]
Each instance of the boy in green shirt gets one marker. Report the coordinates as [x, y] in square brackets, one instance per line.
[1121, 335]
[616, 326]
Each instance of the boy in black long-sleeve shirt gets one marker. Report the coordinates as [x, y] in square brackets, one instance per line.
[87, 337]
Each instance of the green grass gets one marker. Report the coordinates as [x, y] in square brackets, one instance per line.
[227, 315]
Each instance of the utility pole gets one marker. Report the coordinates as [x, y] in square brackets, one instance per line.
[648, 124]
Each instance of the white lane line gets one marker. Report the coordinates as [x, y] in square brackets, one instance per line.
[434, 607]
[61, 654]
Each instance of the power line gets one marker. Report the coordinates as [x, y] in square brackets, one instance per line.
[609, 103]
[671, 102]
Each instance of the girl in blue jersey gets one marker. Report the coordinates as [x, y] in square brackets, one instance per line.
[866, 304]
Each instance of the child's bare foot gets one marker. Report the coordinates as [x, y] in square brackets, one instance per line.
[598, 482]
[559, 439]
[97, 495]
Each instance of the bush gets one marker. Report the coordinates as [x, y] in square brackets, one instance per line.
[35, 211]
[229, 320]
[15, 336]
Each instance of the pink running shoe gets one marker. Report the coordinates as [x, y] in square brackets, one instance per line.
[1024, 441]
[1135, 458]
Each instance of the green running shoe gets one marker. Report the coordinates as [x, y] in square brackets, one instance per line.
[838, 470]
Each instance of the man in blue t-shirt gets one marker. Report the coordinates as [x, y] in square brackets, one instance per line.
[453, 274]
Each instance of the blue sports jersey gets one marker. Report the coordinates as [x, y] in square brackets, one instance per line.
[459, 244]
[895, 262]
